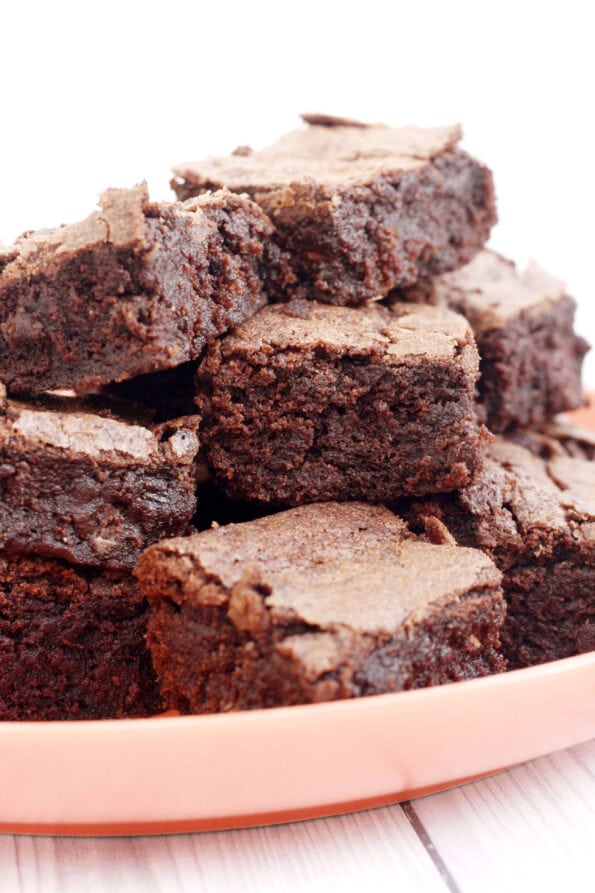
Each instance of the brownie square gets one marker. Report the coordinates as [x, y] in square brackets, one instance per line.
[72, 643]
[535, 517]
[530, 355]
[360, 209]
[314, 604]
[309, 403]
[82, 484]
[137, 287]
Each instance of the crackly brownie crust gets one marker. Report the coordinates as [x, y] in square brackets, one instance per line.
[536, 518]
[136, 287]
[531, 357]
[310, 403]
[313, 604]
[90, 487]
[360, 209]
[72, 643]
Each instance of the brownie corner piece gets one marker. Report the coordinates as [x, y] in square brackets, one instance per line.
[533, 512]
[531, 357]
[72, 643]
[313, 604]
[136, 287]
[361, 209]
[91, 487]
[309, 403]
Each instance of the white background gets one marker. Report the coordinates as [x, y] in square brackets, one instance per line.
[103, 94]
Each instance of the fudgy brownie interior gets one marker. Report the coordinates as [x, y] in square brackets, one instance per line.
[309, 403]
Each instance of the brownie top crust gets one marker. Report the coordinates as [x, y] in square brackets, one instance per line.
[522, 498]
[120, 221]
[327, 565]
[348, 154]
[78, 427]
[406, 330]
[490, 291]
[359, 209]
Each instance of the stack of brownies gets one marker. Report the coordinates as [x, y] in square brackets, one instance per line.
[291, 438]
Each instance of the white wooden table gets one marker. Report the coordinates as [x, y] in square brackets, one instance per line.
[529, 829]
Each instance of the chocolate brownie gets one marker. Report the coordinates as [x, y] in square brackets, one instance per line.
[361, 209]
[536, 518]
[137, 287]
[89, 487]
[314, 604]
[310, 403]
[72, 643]
[523, 322]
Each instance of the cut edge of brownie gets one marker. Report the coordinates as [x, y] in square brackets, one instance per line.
[262, 628]
[72, 643]
[291, 415]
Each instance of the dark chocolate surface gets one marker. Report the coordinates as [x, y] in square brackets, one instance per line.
[72, 643]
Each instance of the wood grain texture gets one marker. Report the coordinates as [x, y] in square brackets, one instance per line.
[342, 853]
[532, 828]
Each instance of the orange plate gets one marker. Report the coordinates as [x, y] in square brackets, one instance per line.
[171, 774]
